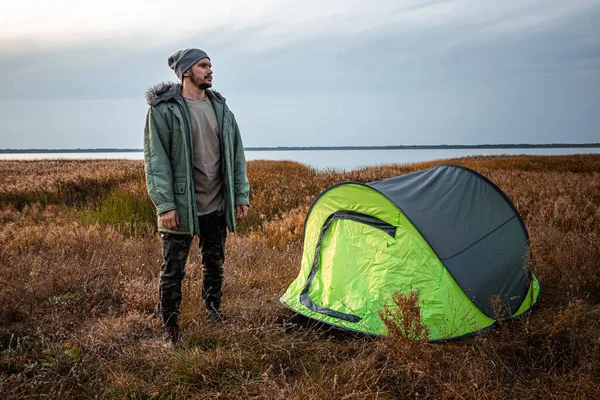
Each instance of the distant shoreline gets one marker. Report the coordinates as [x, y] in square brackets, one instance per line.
[305, 148]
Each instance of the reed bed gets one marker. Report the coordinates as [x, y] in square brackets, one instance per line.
[78, 289]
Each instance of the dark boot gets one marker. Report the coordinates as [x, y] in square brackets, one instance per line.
[213, 314]
[172, 335]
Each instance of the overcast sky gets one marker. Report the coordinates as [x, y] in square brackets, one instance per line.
[301, 73]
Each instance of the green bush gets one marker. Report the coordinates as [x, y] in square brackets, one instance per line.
[130, 211]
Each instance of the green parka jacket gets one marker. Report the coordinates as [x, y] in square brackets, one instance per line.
[169, 163]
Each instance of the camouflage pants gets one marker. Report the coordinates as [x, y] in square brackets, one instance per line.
[175, 250]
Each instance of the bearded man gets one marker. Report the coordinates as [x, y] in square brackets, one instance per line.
[196, 177]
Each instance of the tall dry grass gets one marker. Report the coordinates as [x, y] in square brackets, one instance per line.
[69, 182]
[78, 287]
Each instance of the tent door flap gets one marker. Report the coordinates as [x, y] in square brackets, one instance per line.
[305, 299]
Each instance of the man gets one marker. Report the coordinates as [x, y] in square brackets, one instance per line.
[196, 178]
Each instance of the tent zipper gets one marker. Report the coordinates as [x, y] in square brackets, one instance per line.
[366, 219]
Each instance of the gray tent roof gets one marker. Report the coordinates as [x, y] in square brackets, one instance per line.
[473, 228]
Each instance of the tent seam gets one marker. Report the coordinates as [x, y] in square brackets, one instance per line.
[480, 239]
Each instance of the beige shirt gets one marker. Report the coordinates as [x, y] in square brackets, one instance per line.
[207, 155]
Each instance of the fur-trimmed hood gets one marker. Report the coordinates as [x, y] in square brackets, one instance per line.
[166, 91]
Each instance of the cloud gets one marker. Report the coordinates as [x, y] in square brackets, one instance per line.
[70, 22]
[410, 72]
[420, 42]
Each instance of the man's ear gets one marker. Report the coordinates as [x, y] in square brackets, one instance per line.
[186, 73]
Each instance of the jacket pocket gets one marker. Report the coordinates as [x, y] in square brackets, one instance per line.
[182, 202]
[180, 187]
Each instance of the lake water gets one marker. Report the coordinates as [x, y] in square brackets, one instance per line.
[332, 159]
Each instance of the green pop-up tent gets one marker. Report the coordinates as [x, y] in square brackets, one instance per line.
[447, 233]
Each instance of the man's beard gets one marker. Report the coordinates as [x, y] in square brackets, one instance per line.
[196, 81]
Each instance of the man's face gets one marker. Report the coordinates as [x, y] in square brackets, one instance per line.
[201, 74]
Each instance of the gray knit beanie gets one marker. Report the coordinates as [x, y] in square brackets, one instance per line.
[183, 60]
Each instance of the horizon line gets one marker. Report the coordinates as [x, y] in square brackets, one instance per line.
[343, 147]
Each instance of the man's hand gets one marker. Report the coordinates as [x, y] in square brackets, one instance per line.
[241, 212]
[170, 220]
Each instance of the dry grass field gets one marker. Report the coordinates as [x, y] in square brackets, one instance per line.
[78, 286]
